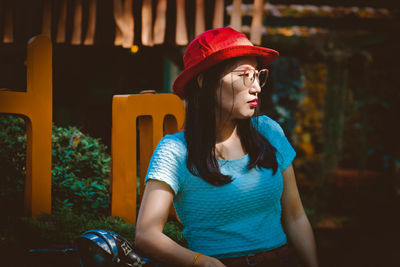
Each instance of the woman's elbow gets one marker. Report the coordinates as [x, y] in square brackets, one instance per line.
[140, 240]
[144, 238]
[294, 217]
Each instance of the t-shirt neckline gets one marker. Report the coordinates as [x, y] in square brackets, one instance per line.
[233, 160]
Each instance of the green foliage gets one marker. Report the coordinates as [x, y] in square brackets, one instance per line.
[12, 162]
[80, 168]
[63, 226]
[80, 173]
[174, 230]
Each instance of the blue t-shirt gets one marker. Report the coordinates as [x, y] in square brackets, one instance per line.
[236, 219]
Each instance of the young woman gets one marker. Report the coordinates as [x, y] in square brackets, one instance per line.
[229, 173]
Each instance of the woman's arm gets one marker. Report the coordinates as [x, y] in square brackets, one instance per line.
[153, 214]
[295, 220]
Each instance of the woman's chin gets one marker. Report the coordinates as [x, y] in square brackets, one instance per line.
[246, 115]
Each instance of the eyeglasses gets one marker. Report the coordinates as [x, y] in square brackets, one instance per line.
[250, 75]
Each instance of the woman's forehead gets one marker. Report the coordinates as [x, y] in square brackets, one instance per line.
[243, 62]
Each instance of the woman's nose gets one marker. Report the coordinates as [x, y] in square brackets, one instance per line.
[255, 88]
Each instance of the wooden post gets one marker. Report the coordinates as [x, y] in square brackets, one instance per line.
[36, 105]
[150, 111]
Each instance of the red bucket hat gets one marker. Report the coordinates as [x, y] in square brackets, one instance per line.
[213, 47]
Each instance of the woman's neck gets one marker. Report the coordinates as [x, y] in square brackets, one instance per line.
[225, 130]
[228, 145]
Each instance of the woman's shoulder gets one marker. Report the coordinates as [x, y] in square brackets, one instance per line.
[267, 126]
[168, 160]
[174, 142]
[178, 137]
[274, 133]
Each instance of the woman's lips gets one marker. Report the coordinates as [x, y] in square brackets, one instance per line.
[253, 103]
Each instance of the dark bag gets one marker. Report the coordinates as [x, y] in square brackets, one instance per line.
[98, 248]
[94, 248]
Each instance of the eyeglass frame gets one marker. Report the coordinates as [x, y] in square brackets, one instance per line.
[257, 76]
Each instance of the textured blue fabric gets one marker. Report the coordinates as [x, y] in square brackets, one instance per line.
[235, 219]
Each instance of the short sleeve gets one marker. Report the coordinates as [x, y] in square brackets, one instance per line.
[167, 161]
[274, 133]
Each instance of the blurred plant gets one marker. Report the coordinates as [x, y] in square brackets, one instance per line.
[287, 81]
[372, 109]
[80, 167]
[308, 131]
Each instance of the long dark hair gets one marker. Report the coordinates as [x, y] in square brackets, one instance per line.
[200, 132]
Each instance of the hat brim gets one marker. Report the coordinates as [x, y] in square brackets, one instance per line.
[264, 55]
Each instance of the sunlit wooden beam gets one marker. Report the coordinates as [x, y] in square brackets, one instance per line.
[219, 8]
[46, 18]
[160, 22]
[236, 17]
[181, 37]
[62, 23]
[147, 23]
[124, 23]
[257, 22]
[91, 26]
[200, 25]
[77, 26]
[8, 35]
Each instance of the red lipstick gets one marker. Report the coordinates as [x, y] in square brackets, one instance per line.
[253, 103]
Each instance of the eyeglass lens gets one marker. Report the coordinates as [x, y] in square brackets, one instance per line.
[251, 75]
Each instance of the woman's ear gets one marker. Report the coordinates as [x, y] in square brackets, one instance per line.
[199, 79]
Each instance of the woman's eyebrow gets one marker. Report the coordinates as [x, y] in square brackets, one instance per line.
[245, 68]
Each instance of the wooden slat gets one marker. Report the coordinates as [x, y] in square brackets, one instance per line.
[91, 26]
[181, 37]
[200, 24]
[147, 23]
[236, 17]
[219, 8]
[119, 21]
[62, 23]
[46, 18]
[124, 22]
[8, 35]
[77, 27]
[160, 22]
[257, 22]
[129, 22]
